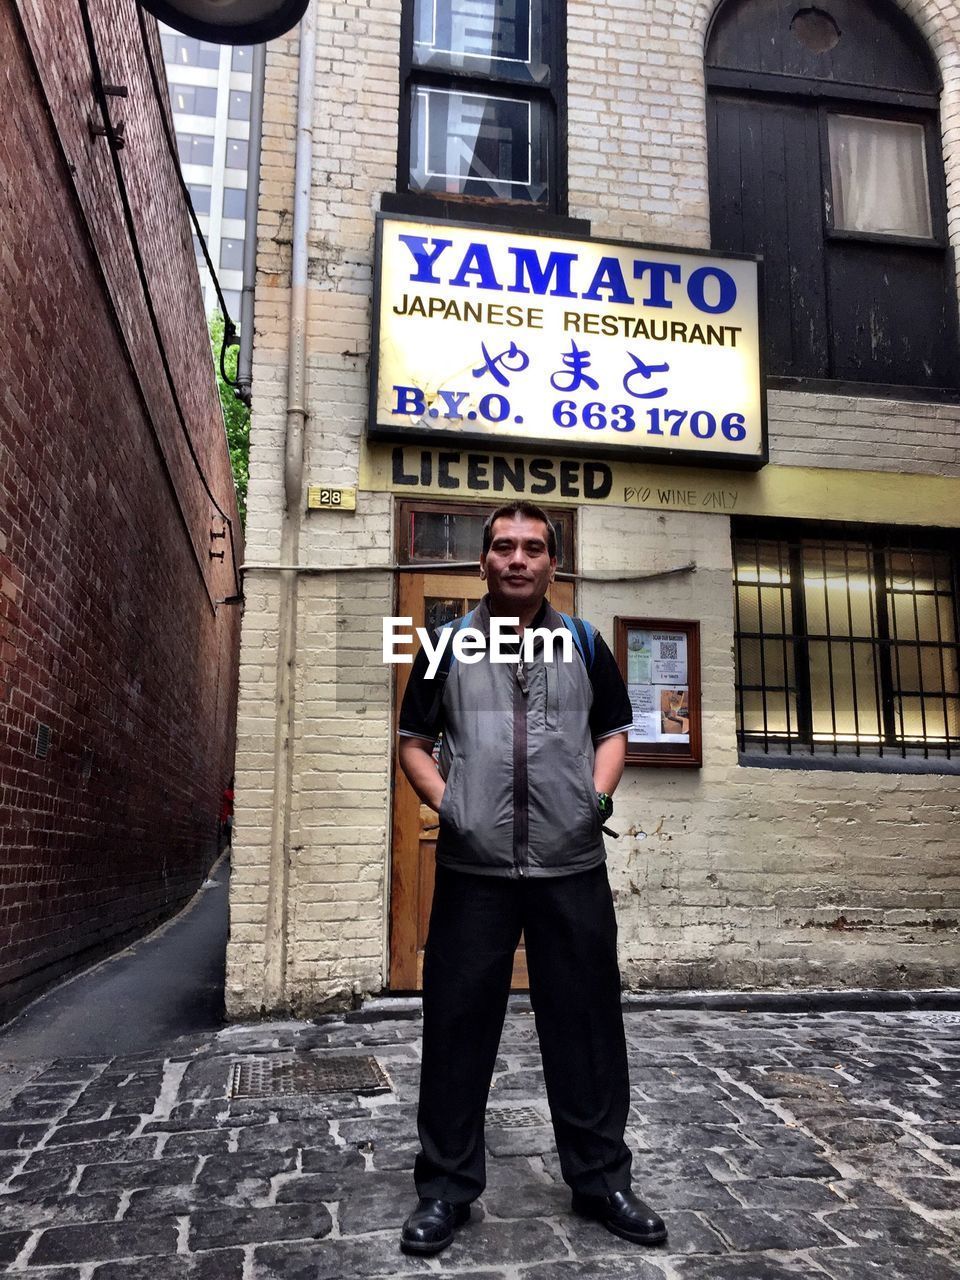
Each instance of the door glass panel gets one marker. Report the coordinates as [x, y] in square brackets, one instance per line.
[439, 610]
[438, 537]
[879, 176]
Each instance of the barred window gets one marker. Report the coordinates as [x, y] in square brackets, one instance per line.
[846, 640]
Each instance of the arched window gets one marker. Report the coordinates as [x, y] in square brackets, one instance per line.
[824, 140]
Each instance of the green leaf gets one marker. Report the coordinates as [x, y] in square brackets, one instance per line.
[236, 415]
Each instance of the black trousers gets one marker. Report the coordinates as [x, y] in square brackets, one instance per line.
[570, 935]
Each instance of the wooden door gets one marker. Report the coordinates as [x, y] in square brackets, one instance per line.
[766, 198]
[430, 599]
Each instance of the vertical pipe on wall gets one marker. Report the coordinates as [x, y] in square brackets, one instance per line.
[245, 357]
[274, 988]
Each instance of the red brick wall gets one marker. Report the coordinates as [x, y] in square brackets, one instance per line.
[109, 631]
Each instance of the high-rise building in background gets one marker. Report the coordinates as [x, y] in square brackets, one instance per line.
[210, 95]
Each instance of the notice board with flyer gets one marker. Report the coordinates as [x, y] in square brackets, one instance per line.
[659, 659]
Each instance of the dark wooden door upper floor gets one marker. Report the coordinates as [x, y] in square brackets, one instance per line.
[825, 159]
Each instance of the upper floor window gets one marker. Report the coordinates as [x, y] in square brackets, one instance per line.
[199, 197]
[194, 99]
[234, 202]
[231, 255]
[239, 108]
[195, 148]
[824, 140]
[482, 95]
[187, 51]
[236, 157]
[242, 57]
[864, 153]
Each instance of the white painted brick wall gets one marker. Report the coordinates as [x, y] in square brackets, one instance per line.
[854, 434]
[729, 875]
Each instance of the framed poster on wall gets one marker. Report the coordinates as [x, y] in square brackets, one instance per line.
[659, 659]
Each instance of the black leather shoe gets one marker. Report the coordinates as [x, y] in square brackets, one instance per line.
[431, 1226]
[624, 1214]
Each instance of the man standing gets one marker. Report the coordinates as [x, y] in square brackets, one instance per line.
[530, 755]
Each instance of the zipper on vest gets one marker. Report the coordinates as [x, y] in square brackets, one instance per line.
[521, 790]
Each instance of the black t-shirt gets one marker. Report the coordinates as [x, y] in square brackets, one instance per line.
[610, 713]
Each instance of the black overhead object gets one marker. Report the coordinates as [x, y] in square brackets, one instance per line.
[229, 21]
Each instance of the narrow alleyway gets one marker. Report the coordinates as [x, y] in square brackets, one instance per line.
[167, 985]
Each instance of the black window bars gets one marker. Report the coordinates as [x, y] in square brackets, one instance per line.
[846, 640]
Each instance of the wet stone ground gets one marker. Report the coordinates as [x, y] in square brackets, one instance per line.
[774, 1145]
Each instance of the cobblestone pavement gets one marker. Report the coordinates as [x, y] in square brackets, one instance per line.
[775, 1145]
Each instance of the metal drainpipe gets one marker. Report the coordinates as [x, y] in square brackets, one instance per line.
[275, 969]
[245, 356]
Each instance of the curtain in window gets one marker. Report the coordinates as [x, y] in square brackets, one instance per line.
[879, 173]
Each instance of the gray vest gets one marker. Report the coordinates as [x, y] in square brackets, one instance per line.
[520, 799]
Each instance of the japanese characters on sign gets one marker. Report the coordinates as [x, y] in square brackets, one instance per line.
[493, 335]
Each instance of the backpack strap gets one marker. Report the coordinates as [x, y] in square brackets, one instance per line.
[447, 659]
[582, 634]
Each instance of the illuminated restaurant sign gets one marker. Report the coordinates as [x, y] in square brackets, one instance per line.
[494, 336]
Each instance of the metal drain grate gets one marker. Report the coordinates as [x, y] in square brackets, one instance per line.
[515, 1118]
[275, 1077]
